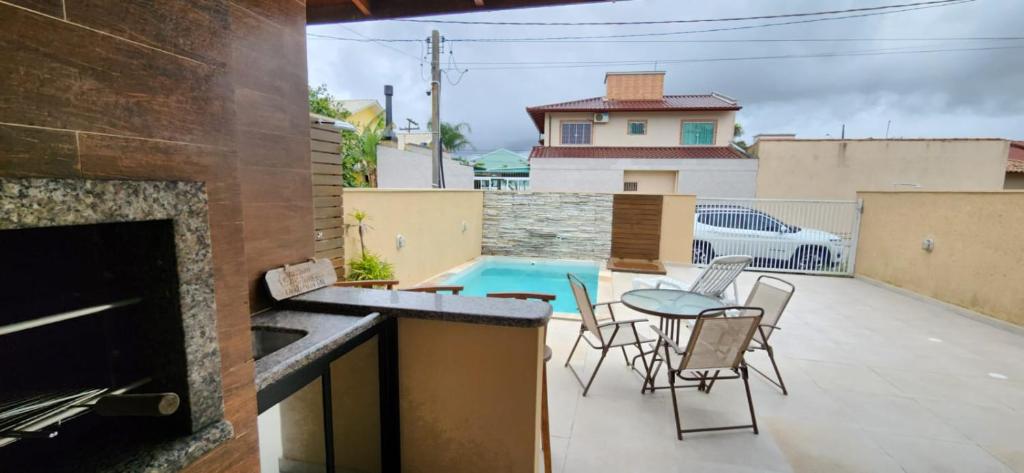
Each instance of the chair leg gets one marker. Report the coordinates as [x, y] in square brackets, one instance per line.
[675, 403]
[647, 368]
[545, 424]
[574, 345]
[624, 355]
[604, 353]
[778, 376]
[750, 401]
[771, 356]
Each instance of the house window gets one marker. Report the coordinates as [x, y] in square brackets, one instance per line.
[629, 186]
[636, 127]
[698, 133]
[576, 133]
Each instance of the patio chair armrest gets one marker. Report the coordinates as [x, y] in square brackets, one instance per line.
[621, 322]
[368, 284]
[607, 304]
[455, 290]
[668, 341]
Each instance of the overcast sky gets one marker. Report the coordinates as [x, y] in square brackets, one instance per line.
[942, 94]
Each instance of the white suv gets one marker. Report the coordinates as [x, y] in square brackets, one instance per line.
[735, 230]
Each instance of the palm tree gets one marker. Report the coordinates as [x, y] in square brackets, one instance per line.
[737, 132]
[453, 137]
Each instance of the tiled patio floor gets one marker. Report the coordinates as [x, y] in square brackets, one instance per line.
[878, 382]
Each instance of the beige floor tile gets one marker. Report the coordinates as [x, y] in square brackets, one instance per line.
[828, 447]
[896, 415]
[935, 456]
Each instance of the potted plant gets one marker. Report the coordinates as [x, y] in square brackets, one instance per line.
[367, 266]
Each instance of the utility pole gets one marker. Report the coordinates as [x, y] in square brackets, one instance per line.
[435, 106]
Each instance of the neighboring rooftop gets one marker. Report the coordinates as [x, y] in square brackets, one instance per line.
[357, 105]
[1015, 163]
[501, 159]
[618, 152]
[668, 103]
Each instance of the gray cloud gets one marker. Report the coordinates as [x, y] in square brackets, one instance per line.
[969, 93]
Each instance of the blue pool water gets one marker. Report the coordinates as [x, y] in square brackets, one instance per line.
[497, 274]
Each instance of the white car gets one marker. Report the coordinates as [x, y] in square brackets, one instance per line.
[736, 230]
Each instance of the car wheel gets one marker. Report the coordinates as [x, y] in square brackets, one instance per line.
[702, 252]
[812, 258]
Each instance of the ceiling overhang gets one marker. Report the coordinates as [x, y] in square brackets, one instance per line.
[343, 11]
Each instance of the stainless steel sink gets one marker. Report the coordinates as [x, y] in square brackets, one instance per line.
[267, 340]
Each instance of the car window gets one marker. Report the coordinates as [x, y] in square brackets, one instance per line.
[762, 223]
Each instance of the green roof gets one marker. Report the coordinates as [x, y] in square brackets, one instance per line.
[501, 159]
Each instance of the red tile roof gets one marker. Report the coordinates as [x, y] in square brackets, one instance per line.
[1016, 161]
[613, 152]
[667, 104]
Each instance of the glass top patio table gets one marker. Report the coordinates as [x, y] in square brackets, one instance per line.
[669, 303]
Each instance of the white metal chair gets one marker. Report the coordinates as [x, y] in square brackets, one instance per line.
[771, 294]
[603, 336]
[712, 281]
[716, 344]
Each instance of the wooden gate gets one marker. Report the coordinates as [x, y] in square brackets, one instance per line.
[636, 226]
[329, 226]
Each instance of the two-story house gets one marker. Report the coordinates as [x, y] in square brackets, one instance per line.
[637, 139]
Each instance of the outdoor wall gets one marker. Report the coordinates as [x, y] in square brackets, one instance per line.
[677, 213]
[663, 128]
[442, 228]
[701, 177]
[409, 169]
[837, 169]
[978, 256]
[547, 224]
[470, 397]
[652, 182]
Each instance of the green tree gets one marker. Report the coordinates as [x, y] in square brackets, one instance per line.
[321, 102]
[359, 154]
[453, 137]
[737, 132]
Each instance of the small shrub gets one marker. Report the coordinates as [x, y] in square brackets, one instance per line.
[369, 267]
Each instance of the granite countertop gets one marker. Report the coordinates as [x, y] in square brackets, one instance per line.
[421, 305]
[333, 316]
[324, 333]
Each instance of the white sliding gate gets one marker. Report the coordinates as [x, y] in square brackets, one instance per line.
[806, 236]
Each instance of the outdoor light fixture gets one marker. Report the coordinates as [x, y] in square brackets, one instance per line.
[928, 245]
[399, 241]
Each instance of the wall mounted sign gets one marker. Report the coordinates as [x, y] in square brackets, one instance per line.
[295, 279]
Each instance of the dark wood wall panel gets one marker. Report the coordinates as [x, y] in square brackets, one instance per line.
[192, 29]
[200, 90]
[35, 152]
[636, 226]
[72, 78]
[46, 7]
[268, 68]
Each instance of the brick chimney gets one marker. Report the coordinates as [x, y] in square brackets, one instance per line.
[634, 85]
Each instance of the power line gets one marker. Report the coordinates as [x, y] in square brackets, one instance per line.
[381, 43]
[663, 22]
[738, 40]
[796, 40]
[708, 30]
[745, 58]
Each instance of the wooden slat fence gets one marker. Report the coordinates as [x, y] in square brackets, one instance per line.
[325, 153]
[636, 226]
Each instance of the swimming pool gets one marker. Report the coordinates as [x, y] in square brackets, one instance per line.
[502, 274]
